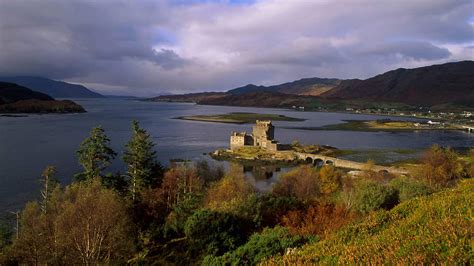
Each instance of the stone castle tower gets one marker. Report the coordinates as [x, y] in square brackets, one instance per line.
[262, 136]
[263, 131]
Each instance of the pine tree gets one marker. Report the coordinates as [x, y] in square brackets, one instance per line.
[49, 183]
[95, 155]
[143, 169]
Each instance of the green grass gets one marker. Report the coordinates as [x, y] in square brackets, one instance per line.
[240, 118]
[435, 229]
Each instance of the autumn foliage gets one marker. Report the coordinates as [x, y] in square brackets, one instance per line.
[301, 183]
[228, 193]
[85, 224]
[318, 219]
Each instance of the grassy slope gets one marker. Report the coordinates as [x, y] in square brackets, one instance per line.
[432, 229]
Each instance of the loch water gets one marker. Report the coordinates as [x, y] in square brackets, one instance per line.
[28, 144]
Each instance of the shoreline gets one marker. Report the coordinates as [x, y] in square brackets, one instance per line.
[294, 110]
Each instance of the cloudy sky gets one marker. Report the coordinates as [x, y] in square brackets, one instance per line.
[156, 46]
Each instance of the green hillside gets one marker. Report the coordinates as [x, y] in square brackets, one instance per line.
[433, 229]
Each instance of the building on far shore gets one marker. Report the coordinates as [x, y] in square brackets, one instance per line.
[262, 136]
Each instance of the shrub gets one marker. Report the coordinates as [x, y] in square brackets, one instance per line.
[228, 193]
[330, 179]
[266, 210]
[435, 229]
[318, 219]
[209, 172]
[371, 195]
[176, 220]
[302, 183]
[441, 167]
[270, 242]
[213, 233]
[6, 233]
[409, 188]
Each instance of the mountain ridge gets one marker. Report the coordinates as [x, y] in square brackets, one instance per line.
[449, 84]
[54, 88]
[430, 85]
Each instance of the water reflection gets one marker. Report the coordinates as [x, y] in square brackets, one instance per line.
[262, 177]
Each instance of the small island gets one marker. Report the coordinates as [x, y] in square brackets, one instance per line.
[260, 146]
[239, 118]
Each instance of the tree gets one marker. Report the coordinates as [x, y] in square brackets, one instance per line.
[440, 167]
[49, 183]
[180, 183]
[95, 155]
[94, 225]
[209, 173]
[85, 224]
[302, 183]
[143, 169]
[213, 233]
[32, 245]
[229, 193]
[330, 179]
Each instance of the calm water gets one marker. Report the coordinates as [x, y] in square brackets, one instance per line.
[28, 144]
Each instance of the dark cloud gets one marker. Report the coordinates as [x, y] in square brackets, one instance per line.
[146, 47]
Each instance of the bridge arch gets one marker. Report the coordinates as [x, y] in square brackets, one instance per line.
[318, 162]
[309, 160]
[330, 162]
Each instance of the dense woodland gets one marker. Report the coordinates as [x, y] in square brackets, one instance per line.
[200, 214]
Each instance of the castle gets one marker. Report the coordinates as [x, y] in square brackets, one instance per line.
[262, 136]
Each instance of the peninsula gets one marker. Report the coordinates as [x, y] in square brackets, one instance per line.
[239, 118]
[18, 99]
[385, 125]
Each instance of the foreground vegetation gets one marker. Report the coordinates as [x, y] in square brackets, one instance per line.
[199, 214]
[239, 118]
[424, 230]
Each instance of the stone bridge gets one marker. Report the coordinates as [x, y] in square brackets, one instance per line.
[320, 160]
[469, 129]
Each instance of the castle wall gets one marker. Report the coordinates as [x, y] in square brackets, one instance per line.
[240, 140]
[263, 134]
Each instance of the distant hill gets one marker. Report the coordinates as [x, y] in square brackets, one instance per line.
[259, 99]
[445, 86]
[307, 86]
[10, 93]
[189, 97]
[57, 89]
[18, 99]
[450, 83]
